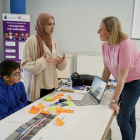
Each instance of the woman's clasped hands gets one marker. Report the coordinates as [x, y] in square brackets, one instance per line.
[59, 60]
[50, 60]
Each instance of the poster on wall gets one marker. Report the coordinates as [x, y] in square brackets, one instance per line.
[16, 30]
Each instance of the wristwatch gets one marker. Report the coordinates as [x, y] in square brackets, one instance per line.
[114, 101]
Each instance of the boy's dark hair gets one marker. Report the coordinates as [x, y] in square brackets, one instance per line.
[7, 67]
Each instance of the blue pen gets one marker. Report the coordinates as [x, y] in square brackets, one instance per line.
[63, 104]
[54, 104]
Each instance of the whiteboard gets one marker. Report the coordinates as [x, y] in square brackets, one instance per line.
[136, 21]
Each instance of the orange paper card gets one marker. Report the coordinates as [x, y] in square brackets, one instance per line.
[60, 94]
[57, 97]
[69, 97]
[61, 109]
[34, 110]
[59, 121]
[69, 111]
[52, 100]
[45, 112]
[57, 111]
[41, 106]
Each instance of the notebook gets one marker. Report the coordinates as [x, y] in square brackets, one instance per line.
[95, 94]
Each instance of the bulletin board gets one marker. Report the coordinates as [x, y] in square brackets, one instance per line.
[16, 30]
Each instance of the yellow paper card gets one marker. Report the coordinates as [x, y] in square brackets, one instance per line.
[52, 100]
[48, 98]
[51, 108]
[68, 102]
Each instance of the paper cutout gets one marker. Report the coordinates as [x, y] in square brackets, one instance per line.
[52, 100]
[41, 106]
[34, 110]
[45, 112]
[68, 102]
[59, 121]
[57, 97]
[69, 111]
[61, 109]
[57, 111]
[69, 97]
[51, 108]
[48, 98]
[60, 94]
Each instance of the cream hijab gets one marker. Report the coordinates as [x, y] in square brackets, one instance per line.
[41, 35]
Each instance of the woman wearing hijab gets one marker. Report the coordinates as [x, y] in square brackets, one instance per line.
[41, 59]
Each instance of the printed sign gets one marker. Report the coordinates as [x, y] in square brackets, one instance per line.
[16, 30]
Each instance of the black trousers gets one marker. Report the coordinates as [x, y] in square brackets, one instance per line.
[44, 92]
[29, 102]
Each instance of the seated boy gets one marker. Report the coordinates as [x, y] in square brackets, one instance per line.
[12, 92]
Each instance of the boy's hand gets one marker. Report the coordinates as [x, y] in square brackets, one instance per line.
[20, 102]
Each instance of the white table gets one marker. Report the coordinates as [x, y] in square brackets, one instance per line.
[93, 125]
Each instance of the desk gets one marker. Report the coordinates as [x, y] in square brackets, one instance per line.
[93, 125]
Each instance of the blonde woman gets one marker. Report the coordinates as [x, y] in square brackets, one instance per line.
[122, 60]
[41, 59]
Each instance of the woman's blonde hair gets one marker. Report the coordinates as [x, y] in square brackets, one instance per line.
[113, 26]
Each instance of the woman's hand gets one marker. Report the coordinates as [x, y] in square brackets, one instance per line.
[59, 60]
[48, 59]
[114, 107]
[122, 75]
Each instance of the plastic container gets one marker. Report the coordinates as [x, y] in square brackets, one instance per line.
[69, 82]
[111, 88]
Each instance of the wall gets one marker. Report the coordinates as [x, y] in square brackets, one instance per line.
[4, 8]
[1, 30]
[77, 21]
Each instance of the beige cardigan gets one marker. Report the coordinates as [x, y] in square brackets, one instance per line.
[37, 74]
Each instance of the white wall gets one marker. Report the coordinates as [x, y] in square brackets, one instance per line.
[77, 21]
[4, 8]
[1, 29]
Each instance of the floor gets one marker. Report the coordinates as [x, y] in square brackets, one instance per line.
[116, 135]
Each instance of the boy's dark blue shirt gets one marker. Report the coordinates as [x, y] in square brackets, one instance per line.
[10, 97]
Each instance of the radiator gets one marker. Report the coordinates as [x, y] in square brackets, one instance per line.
[90, 63]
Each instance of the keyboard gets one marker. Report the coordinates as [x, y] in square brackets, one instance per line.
[87, 100]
